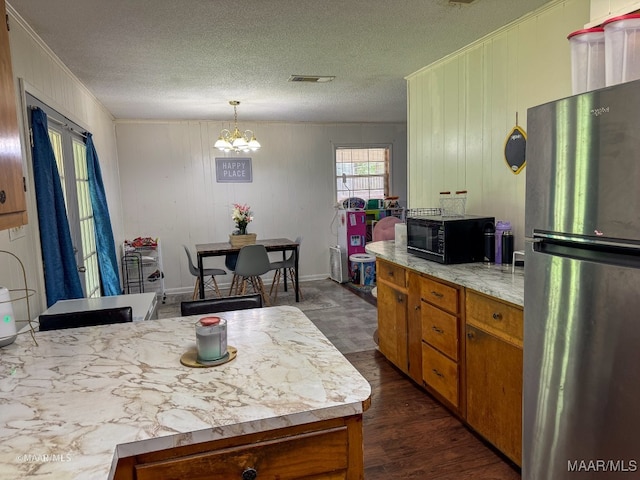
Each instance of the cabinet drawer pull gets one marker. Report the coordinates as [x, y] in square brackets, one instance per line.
[437, 373]
[437, 330]
[400, 299]
[250, 474]
[417, 307]
[3, 196]
[497, 316]
[436, 294]
[470, 336]
[390, 273]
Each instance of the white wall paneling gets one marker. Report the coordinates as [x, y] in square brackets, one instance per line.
[169, 189]
[462, 107]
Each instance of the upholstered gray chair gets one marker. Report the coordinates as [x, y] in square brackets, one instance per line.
[209, 283]
[287, 267]
[253, 261]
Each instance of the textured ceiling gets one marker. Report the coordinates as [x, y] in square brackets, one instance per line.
[185, 59]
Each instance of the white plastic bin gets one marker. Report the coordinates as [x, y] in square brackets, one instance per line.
[587, 59]
[400, 235]
[363, 269]
[622, 49]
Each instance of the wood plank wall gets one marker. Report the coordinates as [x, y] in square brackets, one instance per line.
[462, 108]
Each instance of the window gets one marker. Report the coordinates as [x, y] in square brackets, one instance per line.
[362, 172]
[70, 151]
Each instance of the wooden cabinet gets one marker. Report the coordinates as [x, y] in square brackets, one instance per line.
[328, 450]
[422, 322]
[440, 316]
[414, 326]
[392, 313]
[419, 322]
[494, 372]
[13, 208]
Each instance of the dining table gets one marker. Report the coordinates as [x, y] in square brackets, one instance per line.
[218, 249]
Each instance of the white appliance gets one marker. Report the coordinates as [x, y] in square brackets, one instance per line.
[339, 269]
[8, 332]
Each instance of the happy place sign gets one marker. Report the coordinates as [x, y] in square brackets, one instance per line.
[233, 170]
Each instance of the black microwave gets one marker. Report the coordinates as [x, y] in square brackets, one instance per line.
[447, 240]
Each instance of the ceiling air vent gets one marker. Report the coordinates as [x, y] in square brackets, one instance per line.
[466, 2]
[311, 78]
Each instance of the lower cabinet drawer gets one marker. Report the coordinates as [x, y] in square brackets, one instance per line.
[322, 454]
[440, 330]
[391, 273]
[494, 316]
[441, 295]
[440, 373]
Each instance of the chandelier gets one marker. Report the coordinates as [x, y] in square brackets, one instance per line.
[236, 141]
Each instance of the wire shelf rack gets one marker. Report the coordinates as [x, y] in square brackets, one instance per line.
[422, 212]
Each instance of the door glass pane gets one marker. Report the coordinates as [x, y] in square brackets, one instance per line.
[56, 143]
[87, 228]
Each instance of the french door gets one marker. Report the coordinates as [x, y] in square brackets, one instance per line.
[68, 142]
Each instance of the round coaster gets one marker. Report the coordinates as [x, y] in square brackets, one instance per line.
[190, 358]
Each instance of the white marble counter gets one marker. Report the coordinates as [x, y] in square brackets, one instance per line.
[494, 280]
[85, 397]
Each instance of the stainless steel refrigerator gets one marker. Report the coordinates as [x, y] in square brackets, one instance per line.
[581, 414]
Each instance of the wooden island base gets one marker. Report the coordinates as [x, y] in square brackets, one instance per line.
[331, 449]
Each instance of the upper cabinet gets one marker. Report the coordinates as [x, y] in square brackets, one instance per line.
[13, 208]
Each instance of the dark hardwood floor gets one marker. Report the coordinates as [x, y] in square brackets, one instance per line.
[407, 434]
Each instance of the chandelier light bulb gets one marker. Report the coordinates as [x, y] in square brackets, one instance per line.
[254, 144]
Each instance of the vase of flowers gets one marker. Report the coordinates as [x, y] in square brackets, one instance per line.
[242, 216]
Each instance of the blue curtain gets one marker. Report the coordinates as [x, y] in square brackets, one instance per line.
[60, 269]
[105, 244]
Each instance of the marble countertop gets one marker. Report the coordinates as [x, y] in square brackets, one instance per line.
[85, 397]
[495, 280]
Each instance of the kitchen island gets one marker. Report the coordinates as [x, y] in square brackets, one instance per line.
[114, 401]
[457, 331]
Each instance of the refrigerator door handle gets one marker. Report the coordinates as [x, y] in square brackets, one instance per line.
[582, 241]
[627, 256]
